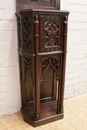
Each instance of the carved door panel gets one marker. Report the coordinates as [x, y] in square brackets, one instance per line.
[50, 33]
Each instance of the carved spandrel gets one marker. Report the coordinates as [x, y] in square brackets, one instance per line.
[50, 33]
[27, 42]
[28, 63]
[50, 62]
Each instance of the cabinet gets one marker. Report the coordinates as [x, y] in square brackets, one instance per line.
[42, 47]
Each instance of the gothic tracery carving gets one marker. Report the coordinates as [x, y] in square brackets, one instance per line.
[28, 63]
[50, 61]
[19, 30]
[50, 33]
[26, 32]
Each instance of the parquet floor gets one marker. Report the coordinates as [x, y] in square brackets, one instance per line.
[75, 118]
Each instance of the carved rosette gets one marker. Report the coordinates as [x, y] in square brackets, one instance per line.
[26, 20]
[50, 62]
[50, 34]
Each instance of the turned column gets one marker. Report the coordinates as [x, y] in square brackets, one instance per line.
[37, 80]
[65, 24]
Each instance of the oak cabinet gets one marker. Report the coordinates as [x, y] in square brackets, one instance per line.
[42, 47]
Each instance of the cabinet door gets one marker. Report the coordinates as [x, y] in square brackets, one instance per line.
[50, 42]
[50, 33]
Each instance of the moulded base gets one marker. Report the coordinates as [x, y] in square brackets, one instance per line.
[47, 114]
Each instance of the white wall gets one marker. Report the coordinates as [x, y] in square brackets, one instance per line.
[9, 80]
[76, 71]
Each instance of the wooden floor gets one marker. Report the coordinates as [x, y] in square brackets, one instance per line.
[75, 118]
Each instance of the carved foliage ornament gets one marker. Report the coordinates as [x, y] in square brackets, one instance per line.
[27, 32]
[50, 33]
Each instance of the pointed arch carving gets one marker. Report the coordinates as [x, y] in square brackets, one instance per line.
[50, 62]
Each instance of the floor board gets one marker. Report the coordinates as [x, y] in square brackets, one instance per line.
[75, 118]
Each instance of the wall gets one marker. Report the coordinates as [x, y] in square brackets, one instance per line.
[9, 80]
[76, 70]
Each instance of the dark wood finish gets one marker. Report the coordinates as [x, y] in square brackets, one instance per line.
[47, 114]
[42, 44]
[37, 80]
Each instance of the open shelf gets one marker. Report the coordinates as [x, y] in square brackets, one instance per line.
[48, 113]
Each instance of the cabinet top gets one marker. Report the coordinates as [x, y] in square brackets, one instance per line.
[37, 4]
[44, 11]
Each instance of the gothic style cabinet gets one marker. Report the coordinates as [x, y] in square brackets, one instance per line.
[42, 43]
